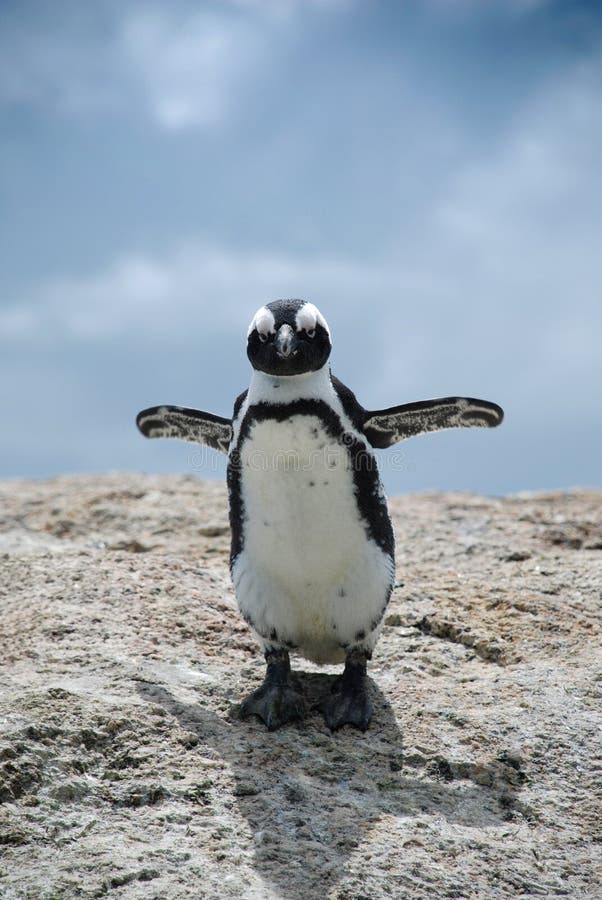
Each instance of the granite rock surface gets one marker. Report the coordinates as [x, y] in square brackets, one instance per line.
[126, 772]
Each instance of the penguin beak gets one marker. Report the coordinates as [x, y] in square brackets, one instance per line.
[286, 342]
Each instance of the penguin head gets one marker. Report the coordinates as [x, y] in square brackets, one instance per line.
[288, 337]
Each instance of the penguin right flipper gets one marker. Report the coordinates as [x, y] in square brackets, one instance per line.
[187, 425]
[386, 427]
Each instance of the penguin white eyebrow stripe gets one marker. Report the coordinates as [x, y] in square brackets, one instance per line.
[263, 321]
[308, 316]
[386, 427]
[187, 425]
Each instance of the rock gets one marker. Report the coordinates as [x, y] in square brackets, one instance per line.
[131, 546]
[124, 768]
[516, 556]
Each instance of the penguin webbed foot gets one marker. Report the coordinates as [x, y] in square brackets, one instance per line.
[349, 703]
[279, 699]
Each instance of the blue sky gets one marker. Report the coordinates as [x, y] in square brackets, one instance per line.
[427, 173]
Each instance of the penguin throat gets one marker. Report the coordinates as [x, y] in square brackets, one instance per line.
[266, 388]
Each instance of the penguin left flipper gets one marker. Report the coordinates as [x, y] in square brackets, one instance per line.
[186, 424]
[385, 427]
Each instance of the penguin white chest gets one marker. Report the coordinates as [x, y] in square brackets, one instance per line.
[308, 570]
[301, 518]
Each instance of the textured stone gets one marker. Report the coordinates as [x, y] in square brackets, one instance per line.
[125, 771]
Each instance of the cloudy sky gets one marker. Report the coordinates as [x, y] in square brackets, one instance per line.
[427, 173]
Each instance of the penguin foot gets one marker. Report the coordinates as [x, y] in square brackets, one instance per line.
[348, 708]
[275, 704]
[349, 703]
[279, 699]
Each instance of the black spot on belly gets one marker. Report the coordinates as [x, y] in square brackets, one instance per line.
[324, 482]
[267, 524]
[311, 483]
[360, 635]
[342, 592]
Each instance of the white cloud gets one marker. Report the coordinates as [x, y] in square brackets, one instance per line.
[196, 287]
[515, 235]
[546, 163]
[179, 68]
[506, 269]
[189, 67]
[184, 65]
[193, 64]
[503, 276]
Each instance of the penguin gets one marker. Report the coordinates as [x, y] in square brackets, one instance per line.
[313, 549]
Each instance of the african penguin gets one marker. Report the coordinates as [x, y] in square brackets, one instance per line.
[312, 555]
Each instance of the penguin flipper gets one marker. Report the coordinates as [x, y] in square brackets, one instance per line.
[185, 424]
[385, 427]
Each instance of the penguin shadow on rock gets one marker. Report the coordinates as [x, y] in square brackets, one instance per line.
[313, 797]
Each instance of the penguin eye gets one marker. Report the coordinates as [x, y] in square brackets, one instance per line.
[311, 332]
[262, 336]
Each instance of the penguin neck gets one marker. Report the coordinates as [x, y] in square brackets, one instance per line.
[266, 388]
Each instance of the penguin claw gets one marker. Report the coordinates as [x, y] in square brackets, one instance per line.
[347, 707]
[275, 704]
